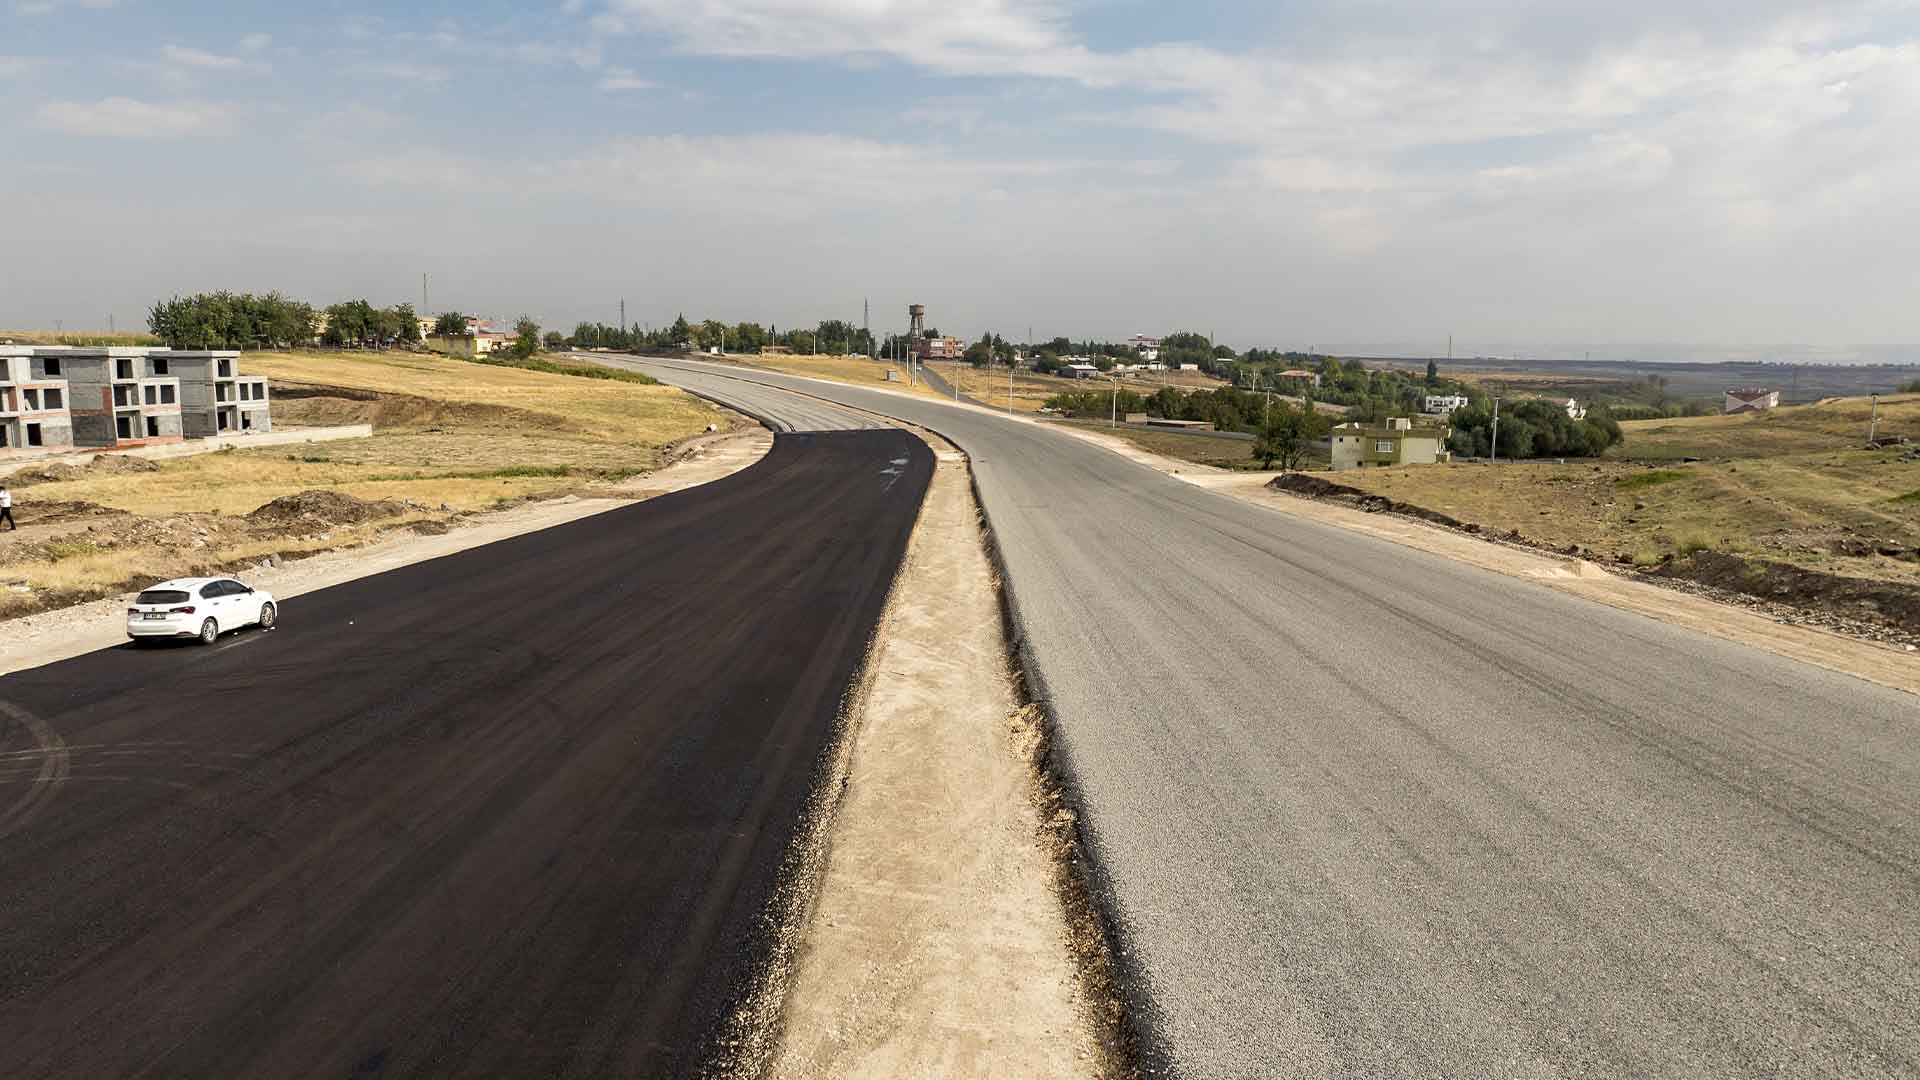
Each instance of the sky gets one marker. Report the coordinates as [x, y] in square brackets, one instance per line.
[1548, 175]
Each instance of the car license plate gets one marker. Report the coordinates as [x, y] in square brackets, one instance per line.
[154, 616]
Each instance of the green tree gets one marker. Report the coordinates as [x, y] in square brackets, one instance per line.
[450, 324]
[1433, 372]
[526, 339]
[1288, 434]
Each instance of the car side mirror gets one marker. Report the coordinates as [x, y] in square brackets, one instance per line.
[249, 590]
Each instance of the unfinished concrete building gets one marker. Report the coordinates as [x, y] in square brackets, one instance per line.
[215, 398]
[121, 398]
[33, 400]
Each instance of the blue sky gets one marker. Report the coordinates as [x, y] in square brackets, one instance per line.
[1292, 173]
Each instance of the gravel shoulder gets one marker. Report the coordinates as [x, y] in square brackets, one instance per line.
[56, 635]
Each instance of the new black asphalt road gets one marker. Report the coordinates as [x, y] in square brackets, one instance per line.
[513, 812]
[1364, 811]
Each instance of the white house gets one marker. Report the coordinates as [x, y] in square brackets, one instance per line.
[1079, 371]
[1444, 404]
[1147, 347]
[1751, 399]
[1574, 411]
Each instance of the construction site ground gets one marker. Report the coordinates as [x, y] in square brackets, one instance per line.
[452, 440]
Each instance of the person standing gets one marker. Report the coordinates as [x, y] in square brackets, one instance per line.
[6, 507]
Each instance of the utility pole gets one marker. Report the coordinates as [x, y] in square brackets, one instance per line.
[426, 309]
[623, 316]
[1113, 416]
[1494, 446]
[1873, 429]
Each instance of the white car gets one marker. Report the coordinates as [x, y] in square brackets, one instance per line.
[202, 608]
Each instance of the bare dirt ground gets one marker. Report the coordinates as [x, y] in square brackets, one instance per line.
[938, 944]
[69, 631]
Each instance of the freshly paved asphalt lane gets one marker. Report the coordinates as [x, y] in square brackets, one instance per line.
[513, 812]
[1364, 811]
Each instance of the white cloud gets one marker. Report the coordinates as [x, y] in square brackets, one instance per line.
[48, 7]
[964, 36]
[127, 118]
[201, 59]
[402, 71]
[254, 43]
[624, 79]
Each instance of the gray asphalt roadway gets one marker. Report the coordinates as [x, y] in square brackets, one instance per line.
[1363, 811]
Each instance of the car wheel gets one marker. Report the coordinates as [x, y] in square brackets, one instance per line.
[209, 632]
[267, 615]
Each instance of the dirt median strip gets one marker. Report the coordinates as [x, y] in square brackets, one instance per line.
[938, 944]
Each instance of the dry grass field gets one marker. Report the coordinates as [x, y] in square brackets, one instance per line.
[1833, 424]
[1796, 485]
[451, 437]
[77, 337]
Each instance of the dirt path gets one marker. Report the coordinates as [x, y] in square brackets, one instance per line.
[937, 946]
[57, 635]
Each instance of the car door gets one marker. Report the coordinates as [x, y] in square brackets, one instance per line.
[213, 597]
[234, 613]
[245, 611]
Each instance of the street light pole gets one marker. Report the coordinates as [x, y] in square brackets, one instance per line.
[1113, 416]
[1495, 446]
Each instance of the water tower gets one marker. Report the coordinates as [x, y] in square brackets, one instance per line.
[916, 322]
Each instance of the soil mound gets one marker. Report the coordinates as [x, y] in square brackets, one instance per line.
[1314, 487]
[59, 472]
[324, 509]
[1887, 602]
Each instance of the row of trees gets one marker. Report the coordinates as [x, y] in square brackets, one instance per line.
[1532, 428]
[831, 335]
[225, 320]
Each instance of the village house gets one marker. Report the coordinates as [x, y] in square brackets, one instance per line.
[1397, 442]
[1444, 404]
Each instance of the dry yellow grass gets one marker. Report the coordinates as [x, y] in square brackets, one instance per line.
[78, 337]
[600, 408]
[451, 434]
[514, 433]
[1833, 424]
[240, 481]
[1800, 508]
[105, 568]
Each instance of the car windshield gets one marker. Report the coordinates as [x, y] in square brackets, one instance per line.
[161, 596]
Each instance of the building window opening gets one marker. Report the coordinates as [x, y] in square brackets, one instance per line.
[153, 427]
[123, 426]
[52, 399]
[33, 434]
[123, 369]
[159, 366]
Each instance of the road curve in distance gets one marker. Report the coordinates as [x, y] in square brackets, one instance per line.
[513, 812]
[1361, 810]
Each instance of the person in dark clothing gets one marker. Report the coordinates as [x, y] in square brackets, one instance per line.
[6, 507]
